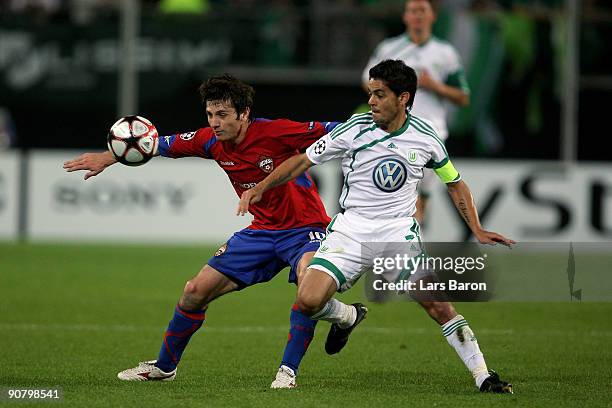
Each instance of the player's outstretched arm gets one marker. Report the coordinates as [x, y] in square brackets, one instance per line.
[287, 171]
[464, 202]
[94, 163]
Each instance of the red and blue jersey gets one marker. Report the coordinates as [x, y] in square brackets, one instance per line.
[266, 145]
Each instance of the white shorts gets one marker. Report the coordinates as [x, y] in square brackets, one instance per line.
[353, 243]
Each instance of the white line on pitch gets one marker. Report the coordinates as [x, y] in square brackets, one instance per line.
[263, 329]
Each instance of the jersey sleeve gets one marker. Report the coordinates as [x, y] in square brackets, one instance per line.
[331, 146]
[455, 75]
[190, 144]
[441, 164]
[300, 135]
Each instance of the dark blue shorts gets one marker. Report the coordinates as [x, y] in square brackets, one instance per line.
[255, 256]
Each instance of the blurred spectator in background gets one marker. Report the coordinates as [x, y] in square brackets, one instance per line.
[441, 77]
[279, 31]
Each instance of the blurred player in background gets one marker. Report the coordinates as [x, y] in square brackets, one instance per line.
[384, 153]
[288, 224]
[440, 75]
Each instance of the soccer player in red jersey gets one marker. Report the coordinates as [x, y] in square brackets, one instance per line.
[287, 229]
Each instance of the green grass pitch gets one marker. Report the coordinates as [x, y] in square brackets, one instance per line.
[72, 316]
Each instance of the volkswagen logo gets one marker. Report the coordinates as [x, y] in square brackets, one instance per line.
[390, 175]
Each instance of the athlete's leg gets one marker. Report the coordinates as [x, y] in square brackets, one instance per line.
[314, 291]
[336, 311]
[301, 331]
[300, 335]
[315, 299]
[234, 266]
[441, 312]
[459, 335]
[188, 317]
[203, 288]
[302, 326]
[303, 263]
[336, 266]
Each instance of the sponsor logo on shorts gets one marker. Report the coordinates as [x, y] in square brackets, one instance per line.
[221, 250]
[390, 175]
[227, 163]
[266, 164]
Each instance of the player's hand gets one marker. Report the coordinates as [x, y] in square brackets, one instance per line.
[492, 238]
[94, 163]
[250, 196]
[426, 81]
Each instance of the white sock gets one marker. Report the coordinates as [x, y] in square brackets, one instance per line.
[335, 311]
[288, 369]
[462, 339]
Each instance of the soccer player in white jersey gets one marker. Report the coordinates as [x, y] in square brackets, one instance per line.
[381, 209]
[440, 75]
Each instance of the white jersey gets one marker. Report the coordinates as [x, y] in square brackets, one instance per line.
[382, 170]
[439, 59]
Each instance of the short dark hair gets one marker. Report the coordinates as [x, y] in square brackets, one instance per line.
[398, 76]
[228, 89]
[433, 3]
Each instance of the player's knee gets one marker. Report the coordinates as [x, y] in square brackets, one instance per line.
[193, 297]
[195, 291]
[309, 304]
[307, 307]
[190, 288]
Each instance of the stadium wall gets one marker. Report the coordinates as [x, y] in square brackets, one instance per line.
[190, 201]
[9, 195]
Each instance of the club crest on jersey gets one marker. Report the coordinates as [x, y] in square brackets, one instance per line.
[389, 175]
[266, 164]
[221, 250]
[412, 156]
[187, 136]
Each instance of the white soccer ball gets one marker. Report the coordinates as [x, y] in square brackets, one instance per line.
[132, 140]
